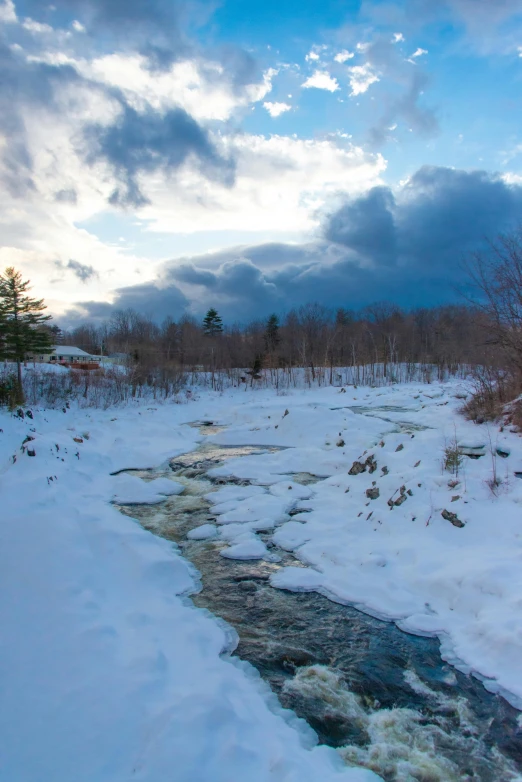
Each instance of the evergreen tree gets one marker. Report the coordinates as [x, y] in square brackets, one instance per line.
[21, 323]
[272, 336]
[212, 323]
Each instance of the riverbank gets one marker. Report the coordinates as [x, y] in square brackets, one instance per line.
[114, 675]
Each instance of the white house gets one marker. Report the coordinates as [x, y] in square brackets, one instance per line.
[65, 355]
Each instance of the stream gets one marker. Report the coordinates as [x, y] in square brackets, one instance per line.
[383, 698]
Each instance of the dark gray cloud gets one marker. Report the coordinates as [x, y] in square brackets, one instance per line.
[136, 143]
[83, 271]
[405, 247]
[143, 143]
[366, 225]
[150, 299]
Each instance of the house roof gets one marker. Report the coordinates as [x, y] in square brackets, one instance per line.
[68, 350]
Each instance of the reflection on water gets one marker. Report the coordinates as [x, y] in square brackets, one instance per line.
[383, 698]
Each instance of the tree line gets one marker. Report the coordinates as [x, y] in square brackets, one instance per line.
[311, 336]
[484, 332]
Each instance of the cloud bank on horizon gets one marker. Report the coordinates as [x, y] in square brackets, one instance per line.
[170, 156]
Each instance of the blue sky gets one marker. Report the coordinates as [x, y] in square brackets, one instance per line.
[173, 155]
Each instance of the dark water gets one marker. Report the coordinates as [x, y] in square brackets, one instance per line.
[383, 698]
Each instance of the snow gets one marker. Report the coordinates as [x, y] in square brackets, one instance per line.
[204, 532]
[406, 563]
[110, 673]
[130, 490]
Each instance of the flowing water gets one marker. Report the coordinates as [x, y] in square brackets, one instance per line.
[383, 698]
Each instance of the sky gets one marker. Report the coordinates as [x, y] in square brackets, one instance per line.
[173, 155]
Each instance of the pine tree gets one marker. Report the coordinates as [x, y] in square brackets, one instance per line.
[21, 322]
[272, 337]
[212, 323]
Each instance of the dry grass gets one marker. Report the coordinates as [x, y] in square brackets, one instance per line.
[493, 398]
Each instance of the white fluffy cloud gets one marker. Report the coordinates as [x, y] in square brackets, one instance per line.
[7, 12]
[276, 109]
[361, 78]
[198, 86]
[343, 56]
[281, 183]
[321, 80]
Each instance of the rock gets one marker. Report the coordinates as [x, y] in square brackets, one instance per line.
[373, 493]
[78, 439]
[247, 586]
[31, 453]
[503, 452]
[473, 450]
[403, 496]
[385, 470]
[340, 443]
[453, 518]
[357, 468]
[371, 464]
[455, 497]
[417, 463]
[399, 447]
[287, 412]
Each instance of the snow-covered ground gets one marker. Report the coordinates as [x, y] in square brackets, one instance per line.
[109, 673]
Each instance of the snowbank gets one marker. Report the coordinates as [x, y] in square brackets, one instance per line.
[378, 539]
[108, 672]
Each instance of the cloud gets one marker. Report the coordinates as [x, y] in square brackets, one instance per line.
[321, 80]
[477, 13]
[276, 109]
[419, 52]
[7, 12]
[398, 38]
[404, 246]
[420, 119]
[386, 64]
[280, 184]
[149, 299]
[139, 144]
[366, 225]
[486, 26]
[361, 78]
[343, 56]
[155, 27]
[81, 270]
